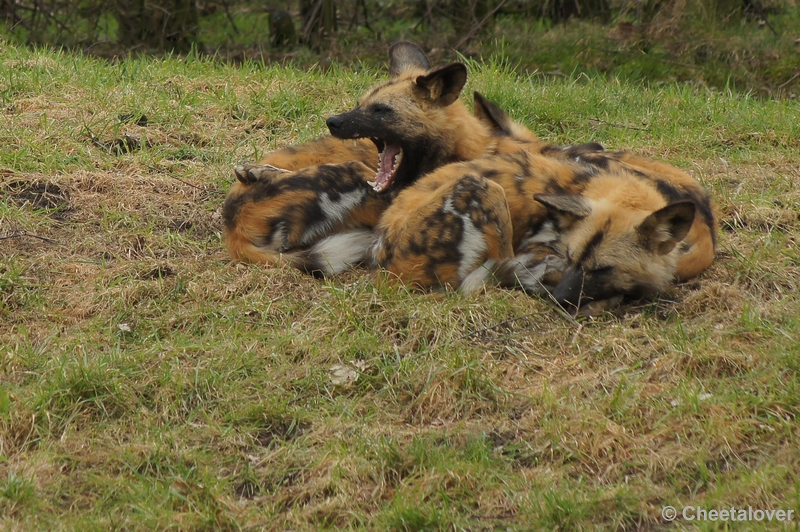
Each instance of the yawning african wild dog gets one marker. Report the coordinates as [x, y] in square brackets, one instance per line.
[319, 216]
[415, 119]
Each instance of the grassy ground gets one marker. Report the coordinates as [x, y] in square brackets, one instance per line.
[148, 383]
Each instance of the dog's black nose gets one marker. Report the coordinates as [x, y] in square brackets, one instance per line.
[569, 289]
[334, 123]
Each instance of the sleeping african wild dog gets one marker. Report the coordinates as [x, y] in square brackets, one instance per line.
[314, 205]
[582, 224]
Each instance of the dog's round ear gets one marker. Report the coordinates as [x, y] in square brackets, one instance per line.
[665, 228]
[405, 56]
[444, 84]
[491, 115]
[565, 209]
[571, 204]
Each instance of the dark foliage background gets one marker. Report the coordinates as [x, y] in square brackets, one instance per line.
[743, 45]
[159, 25]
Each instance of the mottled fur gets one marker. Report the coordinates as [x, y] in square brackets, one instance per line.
[324, 150]
[440, 229]
[289, 211]
[601, 224]
[459, 199]
[296, 198]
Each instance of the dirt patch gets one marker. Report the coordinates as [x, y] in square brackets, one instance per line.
[125, 144]
[40, 195]
[281, 430]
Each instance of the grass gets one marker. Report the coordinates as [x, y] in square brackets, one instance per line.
[690, 48]
[146, 382]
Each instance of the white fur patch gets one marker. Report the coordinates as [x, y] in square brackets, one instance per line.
[522, 272]
[333, 211]
[546, 234]
[377, 247]
[473, 243]
[340, 252]
[477, 279]
[530, 277]
[336, 210]
[278, 240]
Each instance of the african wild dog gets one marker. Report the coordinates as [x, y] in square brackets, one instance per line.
[416, 120]
[584, 225]
[621, 223]
[319, 216]
[278, 213]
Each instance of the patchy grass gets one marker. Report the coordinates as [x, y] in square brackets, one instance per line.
[146, 382]
[748, 57]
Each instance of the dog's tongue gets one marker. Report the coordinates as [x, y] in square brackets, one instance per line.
[387, 167]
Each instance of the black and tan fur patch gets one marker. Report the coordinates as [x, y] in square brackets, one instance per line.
[305, 195]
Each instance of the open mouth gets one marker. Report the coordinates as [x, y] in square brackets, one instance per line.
[389, 159]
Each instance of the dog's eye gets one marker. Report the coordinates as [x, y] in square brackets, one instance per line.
[604, 270]
[380, 108]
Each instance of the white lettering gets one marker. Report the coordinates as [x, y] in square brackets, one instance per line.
[698, 513]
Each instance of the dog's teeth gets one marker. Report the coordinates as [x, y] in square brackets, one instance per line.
[371, 183]
[355, 143]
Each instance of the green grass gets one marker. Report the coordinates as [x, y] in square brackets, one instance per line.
[693, 49]
[146, 382]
